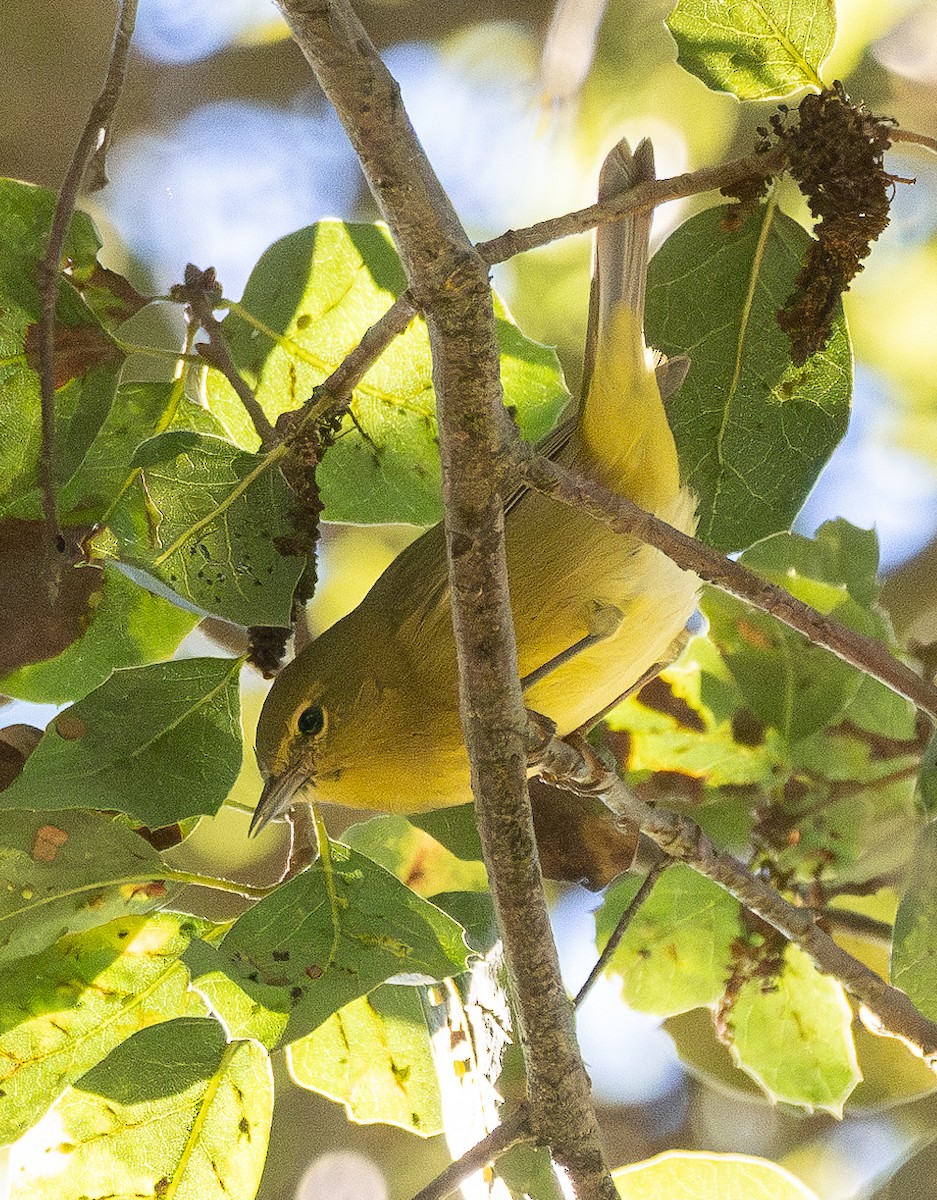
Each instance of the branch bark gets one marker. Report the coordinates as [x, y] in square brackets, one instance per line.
[449, 281]
[92, 142]
[571, 763]
[624, 516]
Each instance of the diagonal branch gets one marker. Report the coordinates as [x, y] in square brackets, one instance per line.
[92, 141]
[624, 516]
[572, 764]
[449, 281]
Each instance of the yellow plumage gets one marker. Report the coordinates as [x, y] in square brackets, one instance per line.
[367, 714]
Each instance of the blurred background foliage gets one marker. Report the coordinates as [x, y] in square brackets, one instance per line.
[223, 144]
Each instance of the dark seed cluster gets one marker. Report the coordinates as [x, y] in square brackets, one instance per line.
[307, 441]
[835, 150]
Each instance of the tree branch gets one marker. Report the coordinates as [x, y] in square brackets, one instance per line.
[347, 375]
[644, 196]
[624, 516]
[449, 281]
[572, 764]
[92, 141]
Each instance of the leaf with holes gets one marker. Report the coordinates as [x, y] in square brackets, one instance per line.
[175, 1110]
[62, 872]
[321, 940]
[160, 743]
[308, 302]
[204, 518]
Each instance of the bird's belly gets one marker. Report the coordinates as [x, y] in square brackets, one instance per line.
[583, 574]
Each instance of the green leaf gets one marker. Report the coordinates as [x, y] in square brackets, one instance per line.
[140, 411]
[375, 1057]
[325, 938]
[755, 49]
[787, 682]
[129, 626]
[173, 1111]
[676, 953]
[752, 430]
[790, 684]
[691, 736]
[87, 360]
[705, 1176]
[793, 1035]
[63, 872]
[160, 743]
[914, 953]
[319, 290]
[64, 1010]
[203, 517]
[415, 857]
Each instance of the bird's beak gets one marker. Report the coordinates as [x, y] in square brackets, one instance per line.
[277, 796]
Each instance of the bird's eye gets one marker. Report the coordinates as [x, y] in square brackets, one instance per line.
[311, 720]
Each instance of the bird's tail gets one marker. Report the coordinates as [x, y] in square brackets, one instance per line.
[623, 430]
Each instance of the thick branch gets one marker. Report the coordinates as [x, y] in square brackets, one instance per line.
[92, 141]
[573, 765]
[450, 283]
[626, 517]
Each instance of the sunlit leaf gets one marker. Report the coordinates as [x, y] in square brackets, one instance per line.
[139, 412]
[374, 1056]
[64, 1010]
[204, 517]
[174, 1110]
[319, 290]
[755, 49]
[676, 953]
[321, 940]
[63, 872]
[159, 743]
[753, 431]
[415, 857]
[792, 1034]
[703, 1176]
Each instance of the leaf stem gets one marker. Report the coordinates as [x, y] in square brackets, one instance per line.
[214, 883]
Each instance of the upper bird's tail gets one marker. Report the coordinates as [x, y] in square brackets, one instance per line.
[623, 428]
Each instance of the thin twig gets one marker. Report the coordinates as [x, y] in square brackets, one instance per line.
[638, 199]
[624, 923]
[510, 1132]
[92, 139]
[624, 516]
[572, 764]
[201, 293]
[847, 920]
[347, 375]
[915, 139]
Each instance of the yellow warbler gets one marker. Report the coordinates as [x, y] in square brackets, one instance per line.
[367, 715]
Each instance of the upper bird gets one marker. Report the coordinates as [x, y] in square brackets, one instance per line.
[368, 714]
